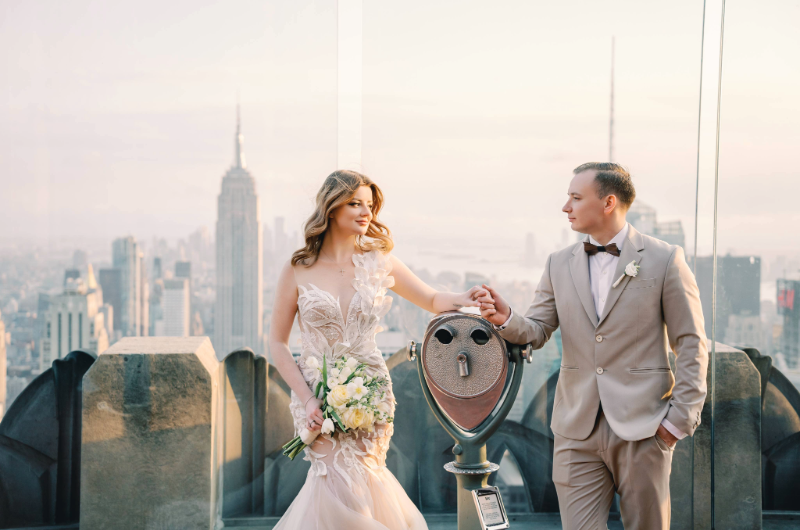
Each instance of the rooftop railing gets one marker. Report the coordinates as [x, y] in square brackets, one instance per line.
[157, 433]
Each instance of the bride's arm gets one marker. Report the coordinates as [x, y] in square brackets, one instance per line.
[284, 310]
[410, 287]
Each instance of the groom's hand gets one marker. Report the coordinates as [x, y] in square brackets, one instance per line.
[667, 436]
[494, 308]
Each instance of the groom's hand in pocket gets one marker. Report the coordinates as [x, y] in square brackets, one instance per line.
[494, 308]
[667, 436]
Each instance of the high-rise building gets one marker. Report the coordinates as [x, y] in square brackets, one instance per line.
[144, 300]
[42, 305]
[157, 270]
[183, 269]
[645, 220]
[111, 283]
[738, 294]
[789, 311]
[133, 311]
[642, 217]
[3, 368]
[157, 308]
[238, 308]
[107, 311]
[72, 322]
[671, 232]
[71, 274]
[175, 303]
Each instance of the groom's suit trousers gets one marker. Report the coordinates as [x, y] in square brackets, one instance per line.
[588, 472]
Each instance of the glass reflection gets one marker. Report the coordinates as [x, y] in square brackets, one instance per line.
[758, 267]
[475, 134]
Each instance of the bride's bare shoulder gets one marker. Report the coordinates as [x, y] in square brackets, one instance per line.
[288, 274]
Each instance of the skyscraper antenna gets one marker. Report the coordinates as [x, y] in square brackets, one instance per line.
[611, 116]
[239, 153]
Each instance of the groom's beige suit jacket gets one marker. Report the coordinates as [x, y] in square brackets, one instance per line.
[620, 359]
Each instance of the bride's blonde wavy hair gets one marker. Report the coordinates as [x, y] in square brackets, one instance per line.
[339, 187]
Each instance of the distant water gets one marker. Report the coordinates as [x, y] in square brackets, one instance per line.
[498, 261]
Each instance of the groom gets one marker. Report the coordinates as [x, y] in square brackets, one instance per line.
[622, 299]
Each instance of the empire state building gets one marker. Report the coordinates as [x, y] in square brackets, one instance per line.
[238, 309]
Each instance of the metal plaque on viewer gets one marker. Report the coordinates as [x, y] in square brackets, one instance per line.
[490, 508]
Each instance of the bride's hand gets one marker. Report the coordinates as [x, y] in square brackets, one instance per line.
[314, 414]
[470, 298]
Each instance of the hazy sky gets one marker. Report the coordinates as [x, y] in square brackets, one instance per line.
[119, 117]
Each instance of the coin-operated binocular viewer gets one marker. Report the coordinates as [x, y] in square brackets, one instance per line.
[470, 377]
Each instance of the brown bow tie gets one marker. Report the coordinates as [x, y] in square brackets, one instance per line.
[593, 249]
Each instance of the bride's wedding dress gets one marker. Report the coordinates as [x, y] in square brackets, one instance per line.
[348, 485]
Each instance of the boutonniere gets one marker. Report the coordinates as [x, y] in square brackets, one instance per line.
[632, 269]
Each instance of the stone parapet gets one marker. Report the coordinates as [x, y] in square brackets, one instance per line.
[149, 452]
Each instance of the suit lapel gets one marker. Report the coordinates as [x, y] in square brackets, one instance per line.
[579, 268]
[631, 251]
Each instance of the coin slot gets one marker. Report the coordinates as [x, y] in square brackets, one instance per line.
[444, 335]
[480, 336]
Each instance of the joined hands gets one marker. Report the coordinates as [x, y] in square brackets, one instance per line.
[493, 307]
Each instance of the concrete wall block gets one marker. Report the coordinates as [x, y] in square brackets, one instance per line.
[149, 435]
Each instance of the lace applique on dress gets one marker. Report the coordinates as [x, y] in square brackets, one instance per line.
[326, 332]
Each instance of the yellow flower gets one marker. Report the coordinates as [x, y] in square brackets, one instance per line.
[353, 417]
[338, 396]
[368, 421]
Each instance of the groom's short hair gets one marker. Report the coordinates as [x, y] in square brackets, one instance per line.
[612, 179]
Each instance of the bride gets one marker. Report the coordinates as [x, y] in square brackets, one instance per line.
[337, 285]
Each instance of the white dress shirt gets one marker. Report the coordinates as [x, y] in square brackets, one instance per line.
[601, 270]
[602, 267]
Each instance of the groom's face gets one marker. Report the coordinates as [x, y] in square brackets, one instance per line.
[584, 208]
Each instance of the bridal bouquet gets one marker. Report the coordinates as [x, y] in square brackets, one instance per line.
[350, 401]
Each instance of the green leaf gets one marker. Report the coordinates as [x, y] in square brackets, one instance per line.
[325, 370]
[339, 421]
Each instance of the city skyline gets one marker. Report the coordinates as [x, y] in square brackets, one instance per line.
[162, 127]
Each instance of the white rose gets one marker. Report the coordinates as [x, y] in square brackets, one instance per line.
[352, 363]
[632, 270]
[333, 372]
[327, 426]
[332, 382]
[312, 362]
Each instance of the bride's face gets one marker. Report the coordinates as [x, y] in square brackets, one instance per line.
[353, 217]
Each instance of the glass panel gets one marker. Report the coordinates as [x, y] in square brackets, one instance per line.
[473, 121]
[758, 266]
[129, 209]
